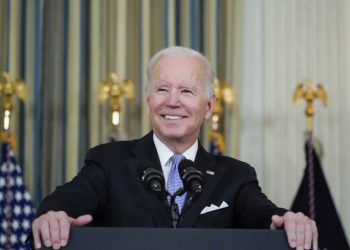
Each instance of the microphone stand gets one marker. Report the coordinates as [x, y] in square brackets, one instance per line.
[174, 208]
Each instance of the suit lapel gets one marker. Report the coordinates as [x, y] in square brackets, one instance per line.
[206, 164]
[145, 150]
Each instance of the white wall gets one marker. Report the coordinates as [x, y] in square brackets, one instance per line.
[285, 42]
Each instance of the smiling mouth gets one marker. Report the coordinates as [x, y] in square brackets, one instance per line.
[172, 117]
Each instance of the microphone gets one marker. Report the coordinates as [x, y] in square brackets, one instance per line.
[152, 178]
[191, 177]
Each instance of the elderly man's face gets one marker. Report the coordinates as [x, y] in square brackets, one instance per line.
[177, 102]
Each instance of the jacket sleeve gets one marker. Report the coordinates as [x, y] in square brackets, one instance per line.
[85, 194]
[254, 209]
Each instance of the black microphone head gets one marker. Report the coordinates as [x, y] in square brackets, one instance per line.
[184, 164]
[192, 178]
[151, 178]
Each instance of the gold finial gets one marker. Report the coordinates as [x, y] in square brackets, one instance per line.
[224, 93]
[8, 89]
[309, 94]
[113, 88]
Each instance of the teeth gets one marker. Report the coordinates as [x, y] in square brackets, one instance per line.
[172, 117]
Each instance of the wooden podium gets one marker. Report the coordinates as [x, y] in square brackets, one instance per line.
[96, 238]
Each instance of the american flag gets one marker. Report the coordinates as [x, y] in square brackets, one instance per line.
[16, 207]
[315, 200]
[216, 145]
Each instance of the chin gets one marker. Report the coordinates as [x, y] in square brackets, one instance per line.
[173, 136]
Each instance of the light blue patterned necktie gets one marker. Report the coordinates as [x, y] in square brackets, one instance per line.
[174, 180]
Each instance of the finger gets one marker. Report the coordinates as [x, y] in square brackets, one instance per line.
[290, 228]
[64, 225]
[300, 234]
[55, 232]
[277, 222]
[308, 235]
[314, 235]
[81, 220]
[45, 232]
[36, 237]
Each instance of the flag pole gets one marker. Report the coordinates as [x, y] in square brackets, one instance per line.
[309, 94]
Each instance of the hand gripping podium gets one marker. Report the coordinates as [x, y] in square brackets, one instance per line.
[95, 238]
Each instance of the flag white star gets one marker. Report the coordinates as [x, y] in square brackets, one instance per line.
[2, 239]
[27, 210]
[3, 167]
[11, 154]
[26, 224]
[18, 196]
[26, 196]
[13, 239]
[19, 181]
[15, 224]
[23, 237]
[17, 210]
[11, 167]
[2, 182]
[4, 225]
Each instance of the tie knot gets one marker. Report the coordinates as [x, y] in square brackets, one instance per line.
[177, 158]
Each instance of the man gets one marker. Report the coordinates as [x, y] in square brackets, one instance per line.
[108, 190]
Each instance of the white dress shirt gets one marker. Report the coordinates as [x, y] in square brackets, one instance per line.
[165, 154]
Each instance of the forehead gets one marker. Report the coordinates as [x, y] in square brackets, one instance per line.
[179, 68]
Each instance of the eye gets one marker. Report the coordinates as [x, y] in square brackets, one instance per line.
[187, 92]
[161, 90]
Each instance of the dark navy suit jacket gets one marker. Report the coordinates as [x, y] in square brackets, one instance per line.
[109, 188]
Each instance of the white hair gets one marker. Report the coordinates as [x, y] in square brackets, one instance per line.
[185, 52]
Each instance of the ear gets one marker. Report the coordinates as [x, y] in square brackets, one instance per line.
[147, 102]
[210, 107]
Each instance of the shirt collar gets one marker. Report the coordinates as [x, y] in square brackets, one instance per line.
[165, 153]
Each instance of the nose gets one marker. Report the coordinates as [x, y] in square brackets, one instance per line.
[173, 99]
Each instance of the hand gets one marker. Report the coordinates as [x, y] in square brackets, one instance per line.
[53, 227]
[301, 230]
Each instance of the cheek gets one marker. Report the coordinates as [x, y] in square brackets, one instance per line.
[153, 105]
[198, 111]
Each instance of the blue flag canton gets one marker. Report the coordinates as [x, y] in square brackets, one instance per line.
[217, 144]
[214, 147]
[16, 207]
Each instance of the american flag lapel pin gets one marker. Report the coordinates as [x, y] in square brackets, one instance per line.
[210, 172]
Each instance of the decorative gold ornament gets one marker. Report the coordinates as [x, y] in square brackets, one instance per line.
[309, 94]
[113, 89]
[224, 93]
[8, 89]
